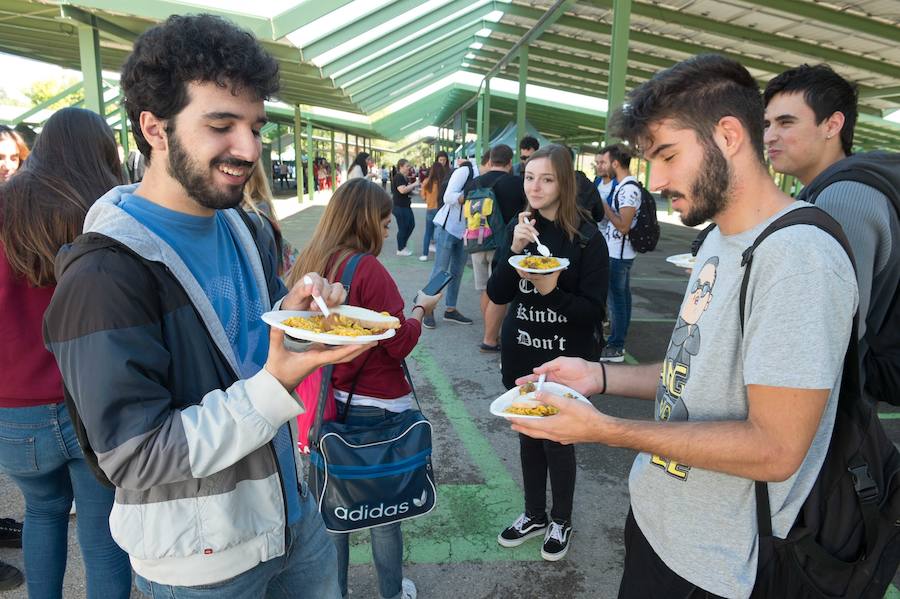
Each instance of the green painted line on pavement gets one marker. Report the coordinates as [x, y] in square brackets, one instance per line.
[467, 518]
[889, 415]
[892, 593]
[629, 359]
[655, 320]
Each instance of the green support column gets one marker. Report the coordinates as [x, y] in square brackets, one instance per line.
[465, 128]
[618, 60]
[647, 175]
[123, 129]
[346, 151]
[278, 133]
[298, 154]
[310, 152]
[522, 100]
[333, 164]
[479, 128]
[486, 142]
[89, 52]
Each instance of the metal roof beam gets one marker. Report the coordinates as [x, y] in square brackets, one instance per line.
[412, 36]
[840, 18]
[302, 14]
[883, 92]
[108, 28]
[375, 93]
[319, 47]
[435, 63]
[434, 54]
[760, 38]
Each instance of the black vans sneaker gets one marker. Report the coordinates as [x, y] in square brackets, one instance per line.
[10, 533]
[556, 541]
[10, 577]
[522, 529]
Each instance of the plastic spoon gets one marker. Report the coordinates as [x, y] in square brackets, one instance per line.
[329, 319]
[540, 383]
[542, 249]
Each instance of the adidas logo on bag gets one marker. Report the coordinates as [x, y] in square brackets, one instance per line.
[366, 512]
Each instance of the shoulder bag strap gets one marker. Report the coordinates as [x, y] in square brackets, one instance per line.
[411, 386]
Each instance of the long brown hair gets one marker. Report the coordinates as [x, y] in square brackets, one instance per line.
[74, 161]
[257, 191]
[569, 214]
[437, 173]
[351, 224]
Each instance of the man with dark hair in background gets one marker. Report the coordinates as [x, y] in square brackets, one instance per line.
[731, 407]
[181, 394]
[510, 196]
[809, 121]
[621, 215]
[528, 146]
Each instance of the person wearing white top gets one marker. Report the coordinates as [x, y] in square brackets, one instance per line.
[448, 232]
[621, 217]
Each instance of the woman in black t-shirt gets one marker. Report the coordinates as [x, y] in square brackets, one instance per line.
[401, 189]
[550, 315]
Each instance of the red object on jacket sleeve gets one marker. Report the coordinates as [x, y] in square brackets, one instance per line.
[29, 375]
[375, 289]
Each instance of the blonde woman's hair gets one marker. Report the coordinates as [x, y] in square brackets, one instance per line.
[351, 224]
[569, 214]
[257, 191]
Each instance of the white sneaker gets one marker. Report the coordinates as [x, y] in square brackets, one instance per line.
[423, 258]
[404, 252]
[408, 589]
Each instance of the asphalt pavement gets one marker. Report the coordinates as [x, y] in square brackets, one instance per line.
[453, 551]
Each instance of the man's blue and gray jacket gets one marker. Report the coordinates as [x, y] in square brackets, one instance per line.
[152, 385]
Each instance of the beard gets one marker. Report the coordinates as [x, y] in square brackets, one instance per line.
[198, 183]
[710, 191]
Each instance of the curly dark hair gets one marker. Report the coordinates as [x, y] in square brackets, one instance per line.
[696, 93]
[196, 48]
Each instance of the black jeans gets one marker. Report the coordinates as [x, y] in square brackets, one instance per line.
[646, 576]
[406, 222]
[539, 457]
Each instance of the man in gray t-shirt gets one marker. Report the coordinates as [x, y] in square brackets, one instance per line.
[730, 408]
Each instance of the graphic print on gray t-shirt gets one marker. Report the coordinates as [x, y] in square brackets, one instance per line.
[800, 303]
[676, 368]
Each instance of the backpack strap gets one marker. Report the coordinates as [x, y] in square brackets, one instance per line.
[346, 280]
[850, 380]
[701, 237]
[616, 201]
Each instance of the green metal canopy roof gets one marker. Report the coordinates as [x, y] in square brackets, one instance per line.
[401, 65]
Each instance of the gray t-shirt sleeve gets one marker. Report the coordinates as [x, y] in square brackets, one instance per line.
[863, 213]
[811, 336]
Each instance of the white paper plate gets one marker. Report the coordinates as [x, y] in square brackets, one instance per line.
[682, 260]
[276, 319]
[515, 260]
[504, 401]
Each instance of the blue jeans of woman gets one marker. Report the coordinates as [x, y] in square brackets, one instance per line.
[619, 301]
[429, 230]
[387, 540]
[451, 257]
[40, 453]
[406, 222]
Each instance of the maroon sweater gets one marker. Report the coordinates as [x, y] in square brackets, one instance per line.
[382, 376]
[28, 372]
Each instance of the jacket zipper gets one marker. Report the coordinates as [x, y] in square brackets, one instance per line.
[269, 444]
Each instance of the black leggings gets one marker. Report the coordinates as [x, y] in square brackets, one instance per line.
[538, 457]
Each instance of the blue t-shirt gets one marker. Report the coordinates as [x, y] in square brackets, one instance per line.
[210, 250]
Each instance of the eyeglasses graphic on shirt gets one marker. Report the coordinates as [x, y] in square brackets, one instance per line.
[703, 286]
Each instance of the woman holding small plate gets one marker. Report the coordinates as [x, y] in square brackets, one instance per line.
[555, 313]
[357, 221]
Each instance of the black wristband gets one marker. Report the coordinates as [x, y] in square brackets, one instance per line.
[603, 368]
[424, 311]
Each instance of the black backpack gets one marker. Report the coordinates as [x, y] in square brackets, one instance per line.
[845, 541]
[881, 171]
[644, 235]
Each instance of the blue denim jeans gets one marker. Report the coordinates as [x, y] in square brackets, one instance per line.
[307, 570]
[406, 222]
[619, 301]
[429, 230]
[450, 256]
[40, 453]
[387, 541]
